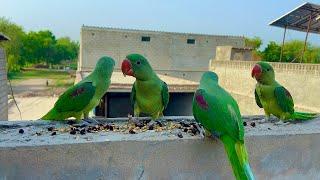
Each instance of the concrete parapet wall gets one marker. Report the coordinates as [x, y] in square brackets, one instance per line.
[275, 152]
[302, 80]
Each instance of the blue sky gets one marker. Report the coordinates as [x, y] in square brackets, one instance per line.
[247, 18]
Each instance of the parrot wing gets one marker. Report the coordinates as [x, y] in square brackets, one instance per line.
[165, 95]
[257, 99]
[284, 99]
[133, 93]
[76, 98]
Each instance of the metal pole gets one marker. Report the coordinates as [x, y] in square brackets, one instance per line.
[284, 36]
[305, 41]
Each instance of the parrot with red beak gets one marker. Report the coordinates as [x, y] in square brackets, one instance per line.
[149, 93]
[273, 97]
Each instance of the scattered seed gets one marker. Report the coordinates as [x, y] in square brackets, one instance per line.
[180, 135]
[184, 124]
[111, 128]
[38, 133]
[253, 124]
[185, 130]
[245, 123]
[159, 123]
[139, 124]
[132, 131]
[83, 131]
[151, 127]
[54, 133]
[50, 128]
[269, 128]
[21, 131]
[194, 130]
[73, 131]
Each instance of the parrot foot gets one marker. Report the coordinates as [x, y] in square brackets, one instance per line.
[281, 123]
[82, 123]
[200, 129]
[90, 120]
[151, 123]
[134, 120]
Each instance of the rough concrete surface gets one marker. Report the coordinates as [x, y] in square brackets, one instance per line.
[275, 152]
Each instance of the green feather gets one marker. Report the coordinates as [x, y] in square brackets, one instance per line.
[219, 113]
[85, 95]
[274, 98]
[149, 93]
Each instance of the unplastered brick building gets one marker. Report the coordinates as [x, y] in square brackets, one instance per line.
[182, 55]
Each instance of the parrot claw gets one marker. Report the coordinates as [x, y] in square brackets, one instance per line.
[83, 123]
[151, 123]
[90, 120]
[201, 130]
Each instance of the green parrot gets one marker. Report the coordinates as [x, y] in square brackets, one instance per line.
[149, 93]
[219, 113]
[273, 97]
[82, 97]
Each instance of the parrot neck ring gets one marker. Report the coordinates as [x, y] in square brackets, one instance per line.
[126, 68]
[256, 72]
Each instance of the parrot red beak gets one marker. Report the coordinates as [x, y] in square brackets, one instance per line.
[256, 72]
[126, 68]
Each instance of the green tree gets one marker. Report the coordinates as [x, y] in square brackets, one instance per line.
[291, 50]
[66, 50]
[253, 43]
[271, 52]
[14, 46]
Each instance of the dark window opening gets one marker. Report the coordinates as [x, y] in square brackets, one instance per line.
[145, 38]
[118, 104]
[191, 41]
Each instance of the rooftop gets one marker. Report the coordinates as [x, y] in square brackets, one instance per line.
[3, 37]
[152, 31]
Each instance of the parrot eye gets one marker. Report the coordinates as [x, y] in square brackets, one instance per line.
[268, 69]
[138, 62]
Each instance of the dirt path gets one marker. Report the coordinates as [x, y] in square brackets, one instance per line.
[34, 98]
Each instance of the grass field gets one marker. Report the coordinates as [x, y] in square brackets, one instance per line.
[62, 78]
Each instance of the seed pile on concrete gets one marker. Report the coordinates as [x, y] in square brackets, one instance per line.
[129, 128]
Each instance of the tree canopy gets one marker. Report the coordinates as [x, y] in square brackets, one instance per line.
[42, 47]
[291, 50]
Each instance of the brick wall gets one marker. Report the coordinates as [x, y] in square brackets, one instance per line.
[165, 50]
[3, 87]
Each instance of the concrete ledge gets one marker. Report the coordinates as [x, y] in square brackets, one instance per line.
[275, 152]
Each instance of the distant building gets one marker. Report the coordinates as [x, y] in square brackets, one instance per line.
[233, 53]
[3, 82]
[179, 58]
[182, 55]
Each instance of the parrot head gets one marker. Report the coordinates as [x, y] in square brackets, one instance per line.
[263, 73]
[105, 65]
[209, 76]
[137, 66]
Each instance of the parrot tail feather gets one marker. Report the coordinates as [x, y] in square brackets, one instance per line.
[238, 157]
[51, 115]
[305, 115]
[248, 171]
